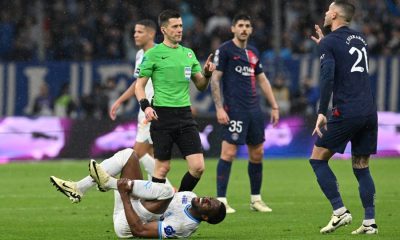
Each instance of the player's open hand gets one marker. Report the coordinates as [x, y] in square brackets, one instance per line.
[321, 123]
[209, 66]
[319, 33]
[113, 111]
[222, 116]
[274, 117]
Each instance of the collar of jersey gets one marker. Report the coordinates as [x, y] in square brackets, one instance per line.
[190, 215]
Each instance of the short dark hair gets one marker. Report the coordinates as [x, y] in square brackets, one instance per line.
[148, 24]
[218, 216]
[166, 15]
[240, 16]
[347, 7]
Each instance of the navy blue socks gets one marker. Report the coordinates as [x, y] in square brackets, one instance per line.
[223, 173]
[327, 181]
[367, 191]
[255, 175]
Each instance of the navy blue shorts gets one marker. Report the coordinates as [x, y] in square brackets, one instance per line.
[244, 128]
[362, 132]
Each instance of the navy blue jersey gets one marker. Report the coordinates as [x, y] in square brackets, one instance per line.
[240, 66]
[345, 52]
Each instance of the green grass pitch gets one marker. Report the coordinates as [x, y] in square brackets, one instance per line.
[31, 208]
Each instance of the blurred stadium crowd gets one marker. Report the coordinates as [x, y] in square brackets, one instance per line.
[87, 30]
[99, 29]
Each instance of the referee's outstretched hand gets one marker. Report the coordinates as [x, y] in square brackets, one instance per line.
[209, 66]
[319, 33]
[321, 123]
[150, 114]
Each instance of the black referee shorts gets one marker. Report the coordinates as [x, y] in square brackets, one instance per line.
[362, 132]
[174, 125]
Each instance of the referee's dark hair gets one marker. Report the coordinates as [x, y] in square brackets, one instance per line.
[166, 15]
[347, 8]
[148, 24]
[240, 16]
[218, 216]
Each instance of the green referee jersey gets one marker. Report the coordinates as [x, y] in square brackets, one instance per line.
[170, 70]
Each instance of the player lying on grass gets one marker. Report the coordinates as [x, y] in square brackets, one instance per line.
[144, 208]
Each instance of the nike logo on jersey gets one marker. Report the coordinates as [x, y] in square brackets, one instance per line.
[164, 57]
[236, 57]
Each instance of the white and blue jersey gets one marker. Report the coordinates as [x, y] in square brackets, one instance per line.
[177, 221]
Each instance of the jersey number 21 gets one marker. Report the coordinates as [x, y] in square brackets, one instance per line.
[360, 54]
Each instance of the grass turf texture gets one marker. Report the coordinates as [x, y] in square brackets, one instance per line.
[31, 208]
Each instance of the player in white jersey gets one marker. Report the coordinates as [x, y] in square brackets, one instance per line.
[145, 31]
[144, 208]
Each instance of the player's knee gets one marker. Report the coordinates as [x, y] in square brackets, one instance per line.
[228, 154]
[257, 155]
[197, 170]
[360, 161]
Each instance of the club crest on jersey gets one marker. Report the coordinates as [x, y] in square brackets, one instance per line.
[253, 60]
[190, 55]
[169, 231]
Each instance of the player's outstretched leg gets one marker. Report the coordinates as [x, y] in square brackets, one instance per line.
[337, 221]
[68, 188]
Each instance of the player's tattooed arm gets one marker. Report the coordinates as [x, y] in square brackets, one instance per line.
[215, 88]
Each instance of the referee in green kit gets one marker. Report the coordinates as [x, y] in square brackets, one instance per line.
[171, 67]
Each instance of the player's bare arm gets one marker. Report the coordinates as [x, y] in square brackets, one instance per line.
[138, 228]
[319, 33]
[129, 93]
[267, 90]
[201, 80]
[222, 116]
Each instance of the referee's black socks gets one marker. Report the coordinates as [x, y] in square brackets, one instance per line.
[188, 182]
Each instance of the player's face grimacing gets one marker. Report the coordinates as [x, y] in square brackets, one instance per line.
[205, 204]
[141, 35]
[173, 30]
[242, 30]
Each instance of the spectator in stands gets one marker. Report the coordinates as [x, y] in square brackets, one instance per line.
[64, 105]
[282, 94]
[311, 95]
[43, 103]
[95, 105]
